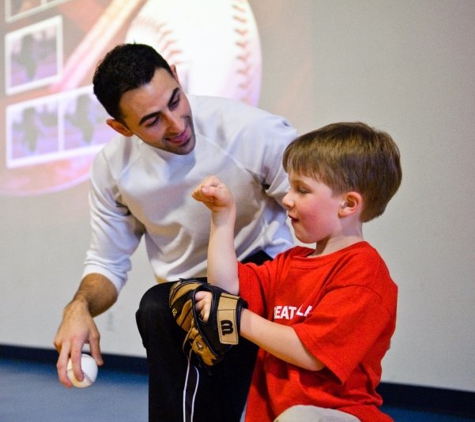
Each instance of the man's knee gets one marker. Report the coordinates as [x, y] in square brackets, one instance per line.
[155, 298]
[154, 311]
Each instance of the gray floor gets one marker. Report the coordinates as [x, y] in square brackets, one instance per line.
[31, 392]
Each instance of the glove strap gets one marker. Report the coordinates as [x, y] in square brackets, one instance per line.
[228, 325]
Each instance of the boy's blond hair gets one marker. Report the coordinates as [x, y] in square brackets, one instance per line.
[349, 157]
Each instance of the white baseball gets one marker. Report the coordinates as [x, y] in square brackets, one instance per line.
[89, 369]
[214, 44]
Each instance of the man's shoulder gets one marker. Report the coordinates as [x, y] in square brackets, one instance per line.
[216, 116]
[206, 107]
[217, 102]
[120, 145]
[117, 154]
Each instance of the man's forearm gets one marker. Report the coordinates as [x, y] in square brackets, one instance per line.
[97, 292]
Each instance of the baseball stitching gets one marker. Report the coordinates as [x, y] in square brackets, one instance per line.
[242, 31]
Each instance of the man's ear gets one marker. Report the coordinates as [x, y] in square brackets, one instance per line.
[119, 127]
[175, 73]
[351, 203]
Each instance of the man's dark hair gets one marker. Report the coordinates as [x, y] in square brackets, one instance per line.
[125, 67]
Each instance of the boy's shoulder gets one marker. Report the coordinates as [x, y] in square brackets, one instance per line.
[360, 262]
[357, 249]
[296, 251]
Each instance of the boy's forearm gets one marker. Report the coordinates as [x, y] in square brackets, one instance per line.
[279, 340]
[222, 260]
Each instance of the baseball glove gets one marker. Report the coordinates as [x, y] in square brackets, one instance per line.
[209, 340]
[181, 301]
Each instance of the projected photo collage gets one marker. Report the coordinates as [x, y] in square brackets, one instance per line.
[49, 127]
[54, 125]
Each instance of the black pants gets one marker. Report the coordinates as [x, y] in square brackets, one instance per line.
[221, 390]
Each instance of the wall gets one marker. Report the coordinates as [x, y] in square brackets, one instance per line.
[405, 67]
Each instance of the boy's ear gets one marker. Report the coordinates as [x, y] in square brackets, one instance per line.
[351, 203]
[119, 127]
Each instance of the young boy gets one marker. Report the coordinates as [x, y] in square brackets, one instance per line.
[323, 317]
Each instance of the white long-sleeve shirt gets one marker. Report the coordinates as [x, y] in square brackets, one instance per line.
[138, 190]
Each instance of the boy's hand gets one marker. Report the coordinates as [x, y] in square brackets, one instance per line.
[210, 315]
[214, 194]
[203, 304]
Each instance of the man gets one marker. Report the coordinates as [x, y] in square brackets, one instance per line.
[141, 187]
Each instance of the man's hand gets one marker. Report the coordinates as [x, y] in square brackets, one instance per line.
[95, 295]
[77, 328]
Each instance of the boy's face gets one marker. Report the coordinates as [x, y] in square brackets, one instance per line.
[158, 113]
[313, 209]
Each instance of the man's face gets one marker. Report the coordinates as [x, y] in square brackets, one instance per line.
[158, 113]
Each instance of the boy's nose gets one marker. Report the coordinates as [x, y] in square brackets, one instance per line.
[287, 201]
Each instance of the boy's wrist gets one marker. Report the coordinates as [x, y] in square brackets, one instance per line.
[224, 215]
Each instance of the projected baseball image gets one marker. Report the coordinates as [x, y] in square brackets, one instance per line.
[53, 124]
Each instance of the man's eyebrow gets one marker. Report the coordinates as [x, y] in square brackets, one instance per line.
[148, 116]
[157, 113]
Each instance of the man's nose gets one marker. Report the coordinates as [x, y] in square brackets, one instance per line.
[175, 124]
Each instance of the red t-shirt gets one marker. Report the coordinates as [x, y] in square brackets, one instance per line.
[343, 308]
